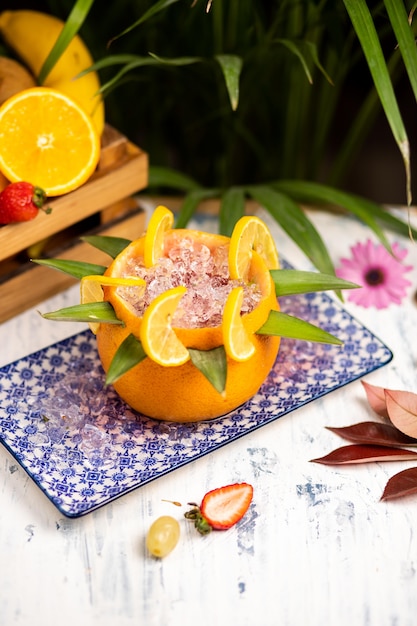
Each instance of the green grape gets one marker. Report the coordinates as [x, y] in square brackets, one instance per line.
[163, 536]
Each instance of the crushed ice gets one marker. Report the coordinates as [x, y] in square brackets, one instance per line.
[205, 273]
[78, 412]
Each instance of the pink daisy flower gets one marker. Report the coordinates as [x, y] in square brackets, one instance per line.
[379, 273]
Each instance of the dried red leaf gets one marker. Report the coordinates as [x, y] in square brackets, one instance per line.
[365, 454]
[402, 410]
[402, 484]
[376, 398]
[374, 433]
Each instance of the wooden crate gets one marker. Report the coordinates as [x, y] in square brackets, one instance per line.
[103, 205]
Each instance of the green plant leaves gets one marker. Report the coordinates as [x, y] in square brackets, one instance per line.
[291, 282]
[231, 67]
[365, 30]
[232, 208]
[368, 212]
[212, 364]
[77, 269]
[172, 179]
[107, 244]
[93, 312]
[399, 21]
[72, 25]
[153, 10]
[129, 354]
[282, 199]
[306, 52]
[285, 325]
[295, 223]
[190, 204]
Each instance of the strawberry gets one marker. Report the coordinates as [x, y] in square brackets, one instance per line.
[20, 202]
[221, 508]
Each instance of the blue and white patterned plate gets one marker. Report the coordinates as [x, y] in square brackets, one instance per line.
[84, 447]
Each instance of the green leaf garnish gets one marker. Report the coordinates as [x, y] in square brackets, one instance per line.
[291, 282]
[129, 353]
[95, 312]
[77, 269]
[212, 364]
[285, 325]
[109, 245]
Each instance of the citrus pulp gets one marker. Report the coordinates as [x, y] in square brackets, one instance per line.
[47, 139]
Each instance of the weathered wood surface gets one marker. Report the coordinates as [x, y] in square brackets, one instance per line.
[316, 548]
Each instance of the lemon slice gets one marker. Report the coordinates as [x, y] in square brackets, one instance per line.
[250, 233]
[162, 220]
[236, 340]
[92, 291]
[159, 340]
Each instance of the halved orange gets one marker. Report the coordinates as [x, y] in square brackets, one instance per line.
[250, 234]
[47, 139]
[183, 393]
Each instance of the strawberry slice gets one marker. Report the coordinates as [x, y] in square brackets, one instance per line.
[221, 508]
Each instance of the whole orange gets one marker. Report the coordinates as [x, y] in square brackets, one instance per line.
[182, 393]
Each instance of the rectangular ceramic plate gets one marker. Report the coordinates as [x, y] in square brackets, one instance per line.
[84, 447]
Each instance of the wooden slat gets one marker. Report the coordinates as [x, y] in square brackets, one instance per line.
[34, 283]
[100, 191]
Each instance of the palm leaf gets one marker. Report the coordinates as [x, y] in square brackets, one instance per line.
[190, 204]
[232, 208]
[231, 67]
[291, 282]
[368, 212]
[295, 223]
[295, 48]
[109, 61]
[175, 62]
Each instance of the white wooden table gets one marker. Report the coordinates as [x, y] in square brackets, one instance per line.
[317, 547]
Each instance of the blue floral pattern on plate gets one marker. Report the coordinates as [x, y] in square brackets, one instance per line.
[84, 447]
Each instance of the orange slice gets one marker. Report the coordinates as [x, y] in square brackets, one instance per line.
[91, 289]
[236, 340]
[162, 220]
[48, 140]
[250, 233]
[158, 338]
